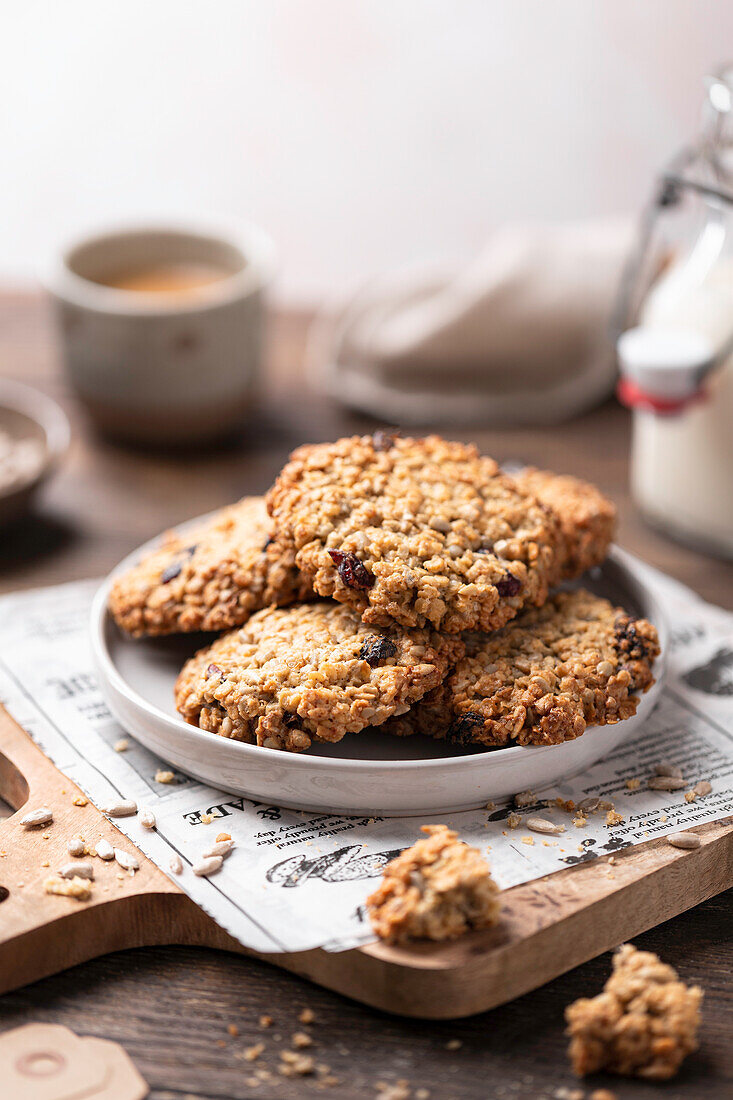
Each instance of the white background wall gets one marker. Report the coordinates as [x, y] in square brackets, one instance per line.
[362, 133]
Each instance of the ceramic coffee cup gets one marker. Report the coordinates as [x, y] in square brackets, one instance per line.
[163, 368]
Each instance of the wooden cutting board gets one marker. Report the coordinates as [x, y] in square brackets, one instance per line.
[548, 926]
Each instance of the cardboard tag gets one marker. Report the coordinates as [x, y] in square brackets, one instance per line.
[50, 1062]
[124, 1083]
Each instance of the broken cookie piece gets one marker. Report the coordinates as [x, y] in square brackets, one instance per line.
[437, 890]
[643, 1024]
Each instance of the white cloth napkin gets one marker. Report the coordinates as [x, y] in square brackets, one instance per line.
[521, 335]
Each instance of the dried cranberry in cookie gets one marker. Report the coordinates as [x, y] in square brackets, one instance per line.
[414, 531]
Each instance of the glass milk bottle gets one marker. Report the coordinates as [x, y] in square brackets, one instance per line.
[677, 363]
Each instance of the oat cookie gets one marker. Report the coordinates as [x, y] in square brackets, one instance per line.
[414, 531]
[587, 519]
[577, 661]
[210, 578]
[437, 890]
[312, 672]
[643, 1024]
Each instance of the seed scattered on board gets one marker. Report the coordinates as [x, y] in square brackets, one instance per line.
[542, 825]
[176, 865]
[126, 861]
[41, 816]
[684, 840]
[76, 847]
[147, 819]
[672, 770]
[221, 848]
[207, 866]
[105, 849]
[124, 808]
[665, 783]
[77, 870]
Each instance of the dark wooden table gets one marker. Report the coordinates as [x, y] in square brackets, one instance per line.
[171, 1007]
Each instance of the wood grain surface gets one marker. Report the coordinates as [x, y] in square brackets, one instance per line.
[171, 1007]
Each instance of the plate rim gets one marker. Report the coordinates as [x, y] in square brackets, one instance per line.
[106, 668]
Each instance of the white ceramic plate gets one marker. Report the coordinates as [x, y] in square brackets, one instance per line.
[365, 774]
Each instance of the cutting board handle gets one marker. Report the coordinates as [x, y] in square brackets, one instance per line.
[43, 933]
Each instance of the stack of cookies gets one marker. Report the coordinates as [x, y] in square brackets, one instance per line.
[400, 583]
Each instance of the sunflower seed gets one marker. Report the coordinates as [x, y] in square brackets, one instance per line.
[147, 819]
[673, 770]
[76, 847]
[208, 866]
[175, 865]
[221, 848]
[124, 808]
[77, 870]
[105, 849]
[41, 816]
[703, 787]
[684, 840]
[126, 861]
[665, 783]
[589, 805]
[542, 825]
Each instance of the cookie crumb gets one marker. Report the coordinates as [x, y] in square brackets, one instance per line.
[438, 889]
[454, 1044]
[513, 820]
[79, 888]
[529, 840]
[525, 798]
[266, 1021]
[400, 1090]
[233, 1030]
[251, 1054]
[307, 1016]
[643, 1024]
[164, 777]
[223, 836]
[295, 1065]
[633, 784]
[301, 1040]
[80, 800]
[613, 818]
[122, 745]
